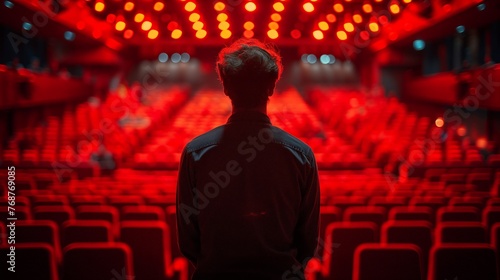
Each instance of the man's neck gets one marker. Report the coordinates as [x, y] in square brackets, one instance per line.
[259, 109]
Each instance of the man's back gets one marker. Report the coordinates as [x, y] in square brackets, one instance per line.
[248, 201]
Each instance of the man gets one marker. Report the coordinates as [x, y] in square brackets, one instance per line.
[248, 192]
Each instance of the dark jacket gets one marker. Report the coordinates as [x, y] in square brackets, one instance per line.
[247, 201]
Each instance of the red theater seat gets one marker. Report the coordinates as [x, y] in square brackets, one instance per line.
[342, 202]
[119, 201]
[49, 200]
[388, 201]
[97, 261]
[58, 214]
[77, 231]
[100, 213]
[388, 262]
[150, 244]
[458, 214]
[342, 239]
[471, 201]
[32, 261]
[462, 261]
[39, 232]
[411, 213]
[491, 215]
[142, 213]
[429, 201]
[418, 233]
[374, 214]
[171, 217]
[79, 200]
[461, 232]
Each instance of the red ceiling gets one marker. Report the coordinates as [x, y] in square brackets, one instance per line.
[413, 19]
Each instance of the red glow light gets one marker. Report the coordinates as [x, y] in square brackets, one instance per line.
[342, 35]
[278, 6]
[394, 8]
[249, 6]
[158, 6]
[273, 34]
[152, 34]
[373, 27]
[120, 26]
[308, 7]
[367, 8]
[172, 25]
[296, 34]
[349, 27]
[99, 6]
[318, 34]
[146, 25]
[331, 18]
[128, 34]
[248, 34]
[200, 34]
[129, 6]
[338, 8]
[110, 18]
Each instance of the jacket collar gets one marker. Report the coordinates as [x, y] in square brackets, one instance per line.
[249, 116]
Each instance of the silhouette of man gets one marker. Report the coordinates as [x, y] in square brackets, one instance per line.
[248, 192]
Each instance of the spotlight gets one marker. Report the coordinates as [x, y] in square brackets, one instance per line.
[176, 58]
[70, 36]
[324, 59]
[311, 59]
[419, 45]
[163, 57]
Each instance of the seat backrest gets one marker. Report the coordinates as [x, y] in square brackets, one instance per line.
[374, 214]
[39, 232]
[98, 212]
[411, 213]
[388, 262]
[79, 200]
[142, 213]
[150, 245]
[32, 261]
[458, 214]
[328, 214]
[342, 239]
[172, 224]
[77, 231]
[431, 201]
[460, 232]
[462, 261]
[97, 261]
[47, 200]
[56, 213]
[491, 215]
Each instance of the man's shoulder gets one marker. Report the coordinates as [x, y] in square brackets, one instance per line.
[209, 138]
[283, 137]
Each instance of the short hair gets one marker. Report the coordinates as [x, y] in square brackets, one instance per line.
[249, 70]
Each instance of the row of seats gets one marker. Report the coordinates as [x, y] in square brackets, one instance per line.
[89, 250]
[351, 250]
[389, 134]
[406, 251]
[120, 123]
[287, 110]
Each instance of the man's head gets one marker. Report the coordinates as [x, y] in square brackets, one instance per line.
[249, 71]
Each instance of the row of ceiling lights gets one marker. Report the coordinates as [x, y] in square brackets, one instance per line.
[225, 32]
